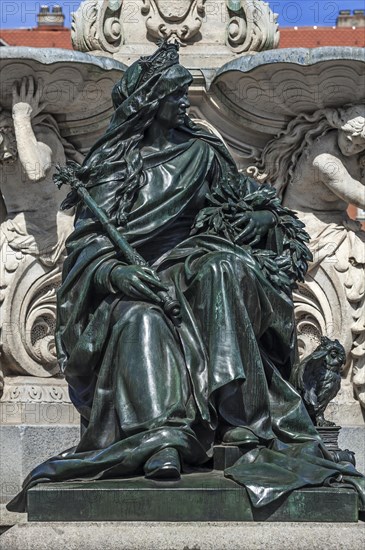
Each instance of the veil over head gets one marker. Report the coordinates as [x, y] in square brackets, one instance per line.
[115, 158]
[136, 98]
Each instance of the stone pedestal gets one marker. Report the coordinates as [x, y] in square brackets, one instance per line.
[196, 497]
[37, 421]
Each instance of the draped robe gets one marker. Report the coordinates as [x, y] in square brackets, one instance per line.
[141, 384]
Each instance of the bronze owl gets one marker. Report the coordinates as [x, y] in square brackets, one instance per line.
[319, 378]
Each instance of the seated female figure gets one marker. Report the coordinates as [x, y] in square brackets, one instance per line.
[154, 396]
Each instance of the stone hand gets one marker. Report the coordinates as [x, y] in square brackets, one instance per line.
[26, 98]
[256, 225]
[137, 282]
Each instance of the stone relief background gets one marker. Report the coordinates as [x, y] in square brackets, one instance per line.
[54, 105]
[317, 165]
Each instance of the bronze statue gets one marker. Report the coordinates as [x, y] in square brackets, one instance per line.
[156, 395]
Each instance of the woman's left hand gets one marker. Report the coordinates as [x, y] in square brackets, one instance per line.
[256, 225]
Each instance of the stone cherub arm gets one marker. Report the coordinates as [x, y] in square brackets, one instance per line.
[335, 175]
[326, 147]
[35, 156]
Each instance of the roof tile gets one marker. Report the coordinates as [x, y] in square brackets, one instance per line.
[308, 37]
[37, 38]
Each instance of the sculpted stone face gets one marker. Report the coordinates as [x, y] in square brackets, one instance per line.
[173, 109]
[350, 144]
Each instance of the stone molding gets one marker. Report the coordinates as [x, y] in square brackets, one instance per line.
[97, 25]
[211, 32]
[28, 389]
[36, 401]
[252, 26]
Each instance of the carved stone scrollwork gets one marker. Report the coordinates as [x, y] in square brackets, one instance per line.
[33, 400]
[252, 26]
[180, 20]
[28, 319]
[36, 390]
[97, 25]
[310, 319]
[319, 311]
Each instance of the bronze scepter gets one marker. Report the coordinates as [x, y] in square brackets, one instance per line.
[66, 176]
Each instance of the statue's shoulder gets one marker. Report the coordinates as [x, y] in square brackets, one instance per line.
[198, 145]
[328, 143]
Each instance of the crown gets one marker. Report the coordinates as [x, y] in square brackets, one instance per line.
[163, 58]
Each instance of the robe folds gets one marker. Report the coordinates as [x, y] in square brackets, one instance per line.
[142, 384]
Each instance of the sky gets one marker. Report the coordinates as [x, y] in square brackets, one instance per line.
[14, 14]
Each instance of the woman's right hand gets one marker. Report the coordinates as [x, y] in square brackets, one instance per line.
[137, 282]
[27, 98]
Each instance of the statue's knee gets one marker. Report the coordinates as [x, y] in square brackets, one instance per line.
[143, 312]
[224, 261]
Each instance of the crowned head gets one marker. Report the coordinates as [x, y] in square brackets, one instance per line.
[152, 78]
